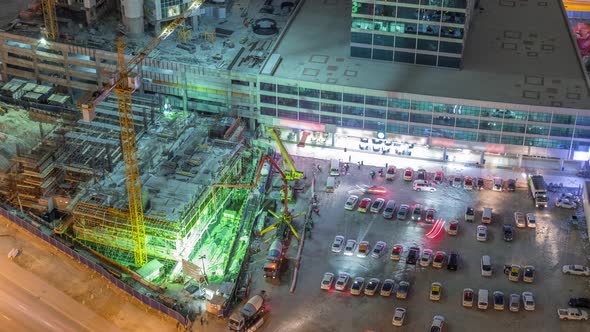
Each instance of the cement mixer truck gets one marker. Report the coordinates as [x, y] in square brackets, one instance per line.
[249, 318]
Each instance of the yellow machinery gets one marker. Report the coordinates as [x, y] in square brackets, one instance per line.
[577, 5]
[292, 174]
[123, 89]
[183, 34]
[50, 19]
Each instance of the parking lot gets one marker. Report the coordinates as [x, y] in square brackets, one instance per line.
[548, 247]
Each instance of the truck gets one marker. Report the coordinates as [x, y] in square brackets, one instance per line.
[538, 190]
[334, 167]
[274, 259]
[249, 316]
[572, 313]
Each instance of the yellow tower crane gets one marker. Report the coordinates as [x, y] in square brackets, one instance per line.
[124, 89]
[50, 19]
[292, 173]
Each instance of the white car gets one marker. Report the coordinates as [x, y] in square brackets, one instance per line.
[571, 197]
[566, 204]
[482, 233]
[379, 249]
[337, 244]
[519, 219]
[327, 281]
[398, 317]
[426, 257]
[349, 248]
[342, 281]
[437, 324]
[351, 202]
[514, 303]
[578, 270]
[529, 301]
[531, 220]
[377, 205]
[439, 259]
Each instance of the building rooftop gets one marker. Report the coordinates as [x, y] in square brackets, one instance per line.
[517, 52]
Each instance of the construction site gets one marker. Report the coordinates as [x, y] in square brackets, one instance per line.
[128, 141]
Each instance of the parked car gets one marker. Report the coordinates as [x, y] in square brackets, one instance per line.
[439, 259]
[351, 202]
[377, 205]
[402, 212]
[413, 255]
[511, 185]
[327, 280]
[372, 286]
[453, 261]
[514, 274]
[357, 286]
[337, 244]
[453, 227]
[364, 144]
[379, 249]
[349, 247]
[430, 213]
[571, 197]
[468, 297]
[531, 220]
[482, 233]
[342, 282]
[468, 183]
[426, 257]
[498, 300]
[398, 317]
[508, 232]
[572, 314]
[514, 302]
[387, 287]
[437, 324]
[363, 249]
[438, 177]
[435, 291]
[403, 288]
[578, 270]
[579, 302]
[408, 174]
[417, 212]
[528, 301]
[469, 214]
[390, 173]
[457, 181]
[365, 204]
[497, 184]
[519, 219]
[421, 174]
[389, 209]
[566, 204]
[396, 252]
[529, 273]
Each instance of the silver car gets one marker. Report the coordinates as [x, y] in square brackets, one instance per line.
[349, 248]
[417, 212]
[337, 244]
[378, 249]
[402, 213]
[514, 302]
[389, 209]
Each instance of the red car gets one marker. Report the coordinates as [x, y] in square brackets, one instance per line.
[438, 177]
[408, 174]
[365, 203]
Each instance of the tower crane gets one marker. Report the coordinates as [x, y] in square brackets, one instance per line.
[50, 19]
[122, 87]
[292, 173]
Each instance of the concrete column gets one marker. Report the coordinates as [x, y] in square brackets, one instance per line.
[482, 158]
[561, 164]
[132, 11]
[444, 158]
[333, 139]
[519, 161]
[298, 133]
[184, 91]
[67, 72]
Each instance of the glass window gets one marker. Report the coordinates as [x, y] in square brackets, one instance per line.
[537, 130]
[409, 28]
[561, 132]
[469, 110]
[399, 103]
[580, 146]
[444, 108]
[582, 133]
[428, 45]
[287, 114]
[514, 140]
[377, 101]
[517, 115]
[397, 128]
[419, 131]
[362, 23]
[354, 98]
[352, 123]
[421, 118]
[397, 27]
[287, 102]
[363, 8]
[558, 144]
[465, 135]
[331, 95]
[268, 111]
[500, 113]
[429, 29]
[490, 125]
[404, 42]
[382, 40]
[291, 90]
[375, 113]
[308, 116]
[540, 117]
[488, 138]
[533, 141]
[399, 116]
[360, 52]
[429, 15]
[375, 125]
[513, 127]
[407, 13]
[380, 25]
[564, 119]
[309, 92]
[446, 133]
[268, 99]
[448, 47]
[361, 37]
[330, 108]
[583, 121]
[449, 62]
[421, 105]
[467, 123]
[382, 55]
[425, 59]
[353, 110]
[443, 120]
[268, 87]
[455, 3]
[335, 120]
[404, 57]
[385, 10]
[451, 32]
[453, 17]
[312, 105]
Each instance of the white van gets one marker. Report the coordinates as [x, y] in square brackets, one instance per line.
[486, 216]
[330, 184]
[482, 299]
[334, 167]
[422, 185]
[486, 266]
